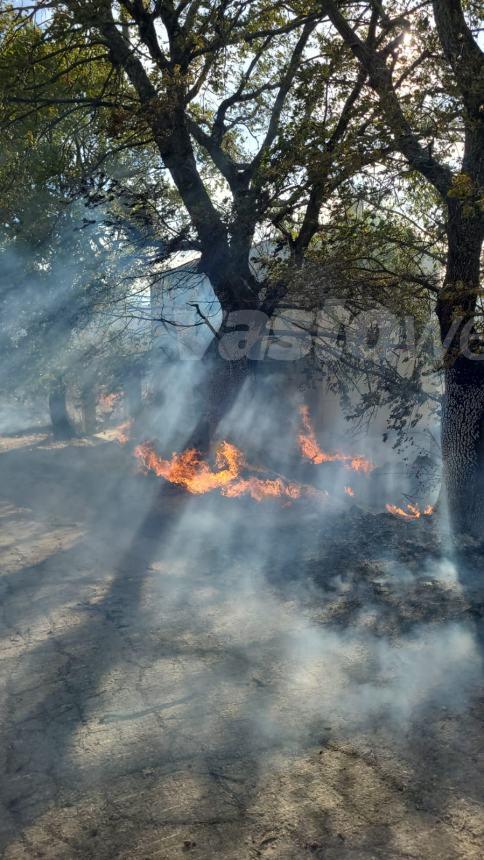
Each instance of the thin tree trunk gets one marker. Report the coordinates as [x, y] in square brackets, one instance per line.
[88, 409]
[62, 426]
[133, 394]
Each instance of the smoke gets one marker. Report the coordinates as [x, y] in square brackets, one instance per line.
[193, 642]
[202, 638]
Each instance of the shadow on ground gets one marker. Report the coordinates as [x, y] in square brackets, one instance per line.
[224, 679]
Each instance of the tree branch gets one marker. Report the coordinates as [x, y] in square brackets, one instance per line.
[380, 78]
[284, 88]
[462, 52]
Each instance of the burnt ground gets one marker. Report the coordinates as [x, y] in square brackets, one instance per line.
[217, 678]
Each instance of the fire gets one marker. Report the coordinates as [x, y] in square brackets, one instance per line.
[260, 489]
[309, 448]
[358, 464]
[121, 432]
[107, 402]
[410, 512]
[190, 471]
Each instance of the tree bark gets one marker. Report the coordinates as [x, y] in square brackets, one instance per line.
[224, 379]
[88, 409]
[463, 405]
[133, 394]
[463, 445]
[62, 426]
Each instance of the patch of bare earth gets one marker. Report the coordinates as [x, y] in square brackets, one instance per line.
[166, 694]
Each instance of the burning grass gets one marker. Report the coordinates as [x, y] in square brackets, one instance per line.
[410, 511]
[310, 449]
[233, 477]
[189, 470]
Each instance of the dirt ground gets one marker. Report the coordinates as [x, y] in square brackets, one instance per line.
[215, 678]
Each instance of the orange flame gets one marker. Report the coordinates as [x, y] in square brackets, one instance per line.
[259, 489]
[189, 470]
[410, 512]
[107, 402]
[309, 448]
[121, 432]
[197, 476]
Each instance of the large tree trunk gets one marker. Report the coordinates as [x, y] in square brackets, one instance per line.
[228, 362]
[463, 445]
[62, 426]
[463, 406]
[222, 385]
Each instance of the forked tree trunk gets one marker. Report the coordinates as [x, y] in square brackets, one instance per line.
[62, 427]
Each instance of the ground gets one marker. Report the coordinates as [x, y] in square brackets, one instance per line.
[211, 677]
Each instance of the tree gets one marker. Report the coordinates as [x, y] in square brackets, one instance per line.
[257, 119]
[70, 236]
[236, 101]
[63, 284]
[427, 70]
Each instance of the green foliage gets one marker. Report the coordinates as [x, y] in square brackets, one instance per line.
[212, 124]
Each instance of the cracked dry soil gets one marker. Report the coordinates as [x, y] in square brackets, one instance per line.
[195, 678]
